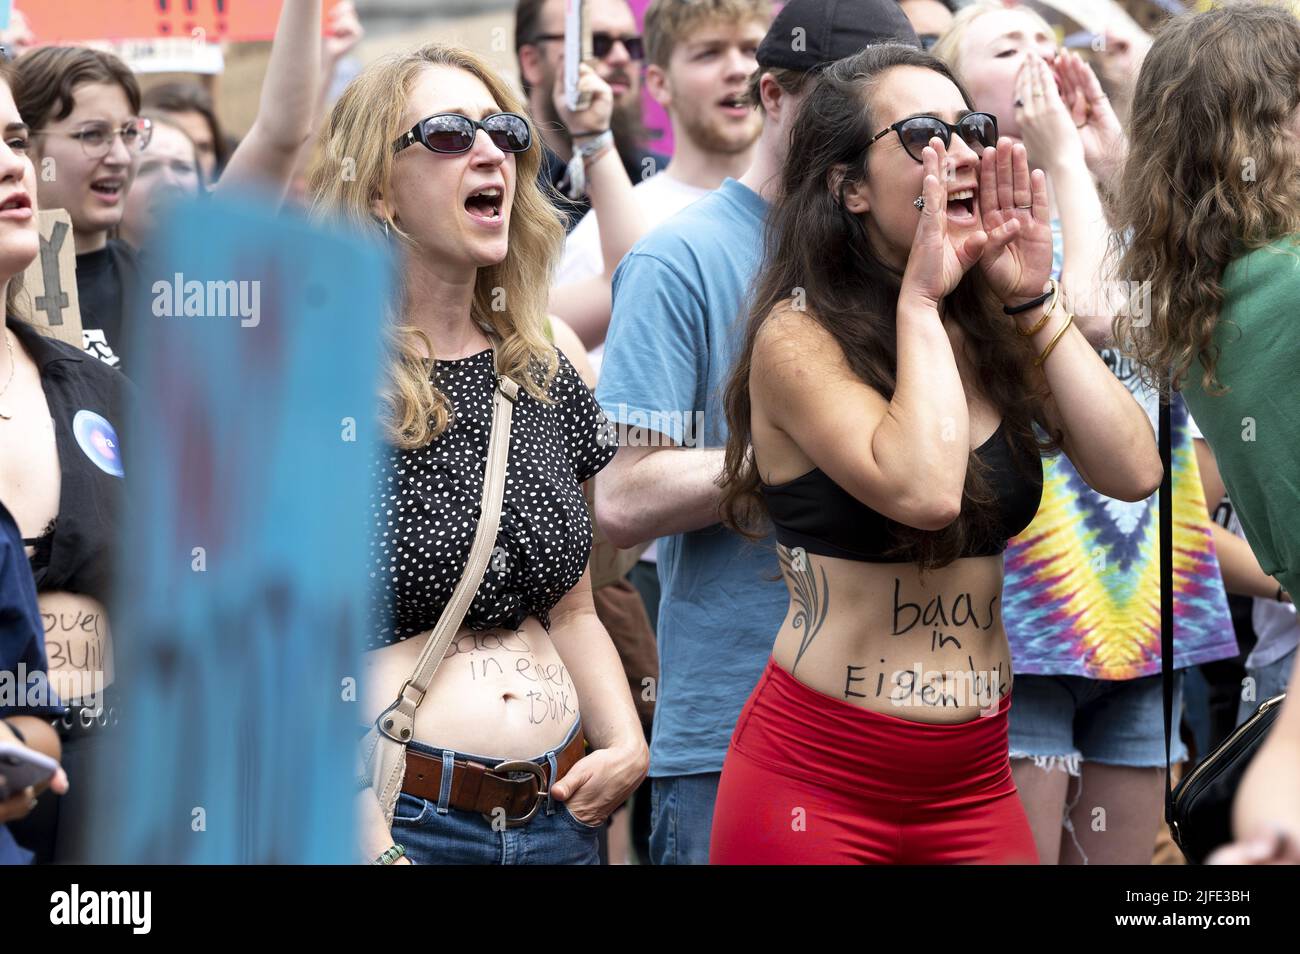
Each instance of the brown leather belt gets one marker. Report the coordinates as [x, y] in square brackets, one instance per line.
[516, 786]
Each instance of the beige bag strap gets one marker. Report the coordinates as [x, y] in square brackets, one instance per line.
[398, 720]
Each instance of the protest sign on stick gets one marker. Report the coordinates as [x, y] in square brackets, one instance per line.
[243, 573]
[51, 279]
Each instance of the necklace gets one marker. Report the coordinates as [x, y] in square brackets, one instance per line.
[5, 413]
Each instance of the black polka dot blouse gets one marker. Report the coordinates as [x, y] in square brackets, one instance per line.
[425, 506]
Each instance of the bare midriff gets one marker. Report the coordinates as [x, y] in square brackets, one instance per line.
[502, 693]
[883, 636]
[78, 644]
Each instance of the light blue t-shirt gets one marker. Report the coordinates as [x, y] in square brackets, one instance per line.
[676, 326]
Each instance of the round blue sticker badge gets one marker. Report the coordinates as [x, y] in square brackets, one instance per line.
[97, 439]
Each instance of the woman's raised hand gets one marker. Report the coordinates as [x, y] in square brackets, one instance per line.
[937, 261]
[1046, 126]
[1017, 258]
[1099, 127]
[600, 109]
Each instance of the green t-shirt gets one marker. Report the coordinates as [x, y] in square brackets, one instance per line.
[1254, 429]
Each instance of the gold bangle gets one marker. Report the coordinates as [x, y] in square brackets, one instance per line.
[1069, 320]
[1051, 307]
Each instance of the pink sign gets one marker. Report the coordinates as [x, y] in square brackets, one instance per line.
[656, 120]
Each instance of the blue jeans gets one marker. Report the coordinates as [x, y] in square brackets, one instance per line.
[681, 818]
[434, 833]
[1269, 681]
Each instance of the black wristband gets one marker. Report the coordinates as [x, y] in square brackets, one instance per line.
[14, 729]
[1033, 303]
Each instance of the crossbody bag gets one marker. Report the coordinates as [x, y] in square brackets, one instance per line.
[1199, 813]
[383, 749]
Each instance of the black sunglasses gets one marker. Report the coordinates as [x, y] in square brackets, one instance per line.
[451, 133]
[976, 129]
[602, 43]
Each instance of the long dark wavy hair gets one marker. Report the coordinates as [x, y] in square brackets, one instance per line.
[1211, 174]
[814, 243]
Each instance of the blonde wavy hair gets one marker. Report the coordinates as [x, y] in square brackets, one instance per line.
[948, 46]
[354, 163]
[1211, 174]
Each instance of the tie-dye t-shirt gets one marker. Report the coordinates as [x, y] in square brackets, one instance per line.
[1081, 595]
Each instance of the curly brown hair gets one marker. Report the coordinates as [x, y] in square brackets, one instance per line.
[1211, 174]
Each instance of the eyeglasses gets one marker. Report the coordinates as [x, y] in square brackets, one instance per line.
[97, 138]
[452, 133]
[977, 130]
[603, 43]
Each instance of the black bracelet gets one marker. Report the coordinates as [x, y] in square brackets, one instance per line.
[23, 739]
[584, 133]
[1034, 303]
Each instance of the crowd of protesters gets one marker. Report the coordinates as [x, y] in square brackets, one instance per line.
[833, 511]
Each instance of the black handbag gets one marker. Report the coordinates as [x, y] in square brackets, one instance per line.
[1199, 813]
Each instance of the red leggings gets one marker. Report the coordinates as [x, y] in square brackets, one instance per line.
[809, 779]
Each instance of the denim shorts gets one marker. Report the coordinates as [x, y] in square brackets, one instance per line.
[1060, 720]
[434, 833]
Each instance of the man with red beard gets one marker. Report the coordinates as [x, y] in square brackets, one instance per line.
[618, 53]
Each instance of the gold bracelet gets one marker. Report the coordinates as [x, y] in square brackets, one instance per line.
[1069, 320]
[1051, 307]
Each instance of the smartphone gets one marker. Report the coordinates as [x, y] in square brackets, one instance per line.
[21, 767]
[577, 50]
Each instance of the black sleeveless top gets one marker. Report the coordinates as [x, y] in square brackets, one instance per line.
[87, 401]
[814, 512]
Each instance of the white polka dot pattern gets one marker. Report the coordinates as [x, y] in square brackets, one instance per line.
[425, 505]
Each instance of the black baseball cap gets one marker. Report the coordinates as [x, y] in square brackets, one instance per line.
[831, 30]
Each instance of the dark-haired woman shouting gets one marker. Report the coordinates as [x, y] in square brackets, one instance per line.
[883, 415]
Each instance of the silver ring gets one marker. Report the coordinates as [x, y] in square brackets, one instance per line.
[919, 202]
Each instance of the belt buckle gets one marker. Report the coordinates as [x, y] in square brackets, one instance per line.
[520, 765]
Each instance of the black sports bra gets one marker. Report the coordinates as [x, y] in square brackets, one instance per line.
[814, 512]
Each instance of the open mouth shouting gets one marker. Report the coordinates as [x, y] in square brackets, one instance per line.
[109, 189]
[961, 205]
[484, 204]
[736, 105]
[17, 206]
